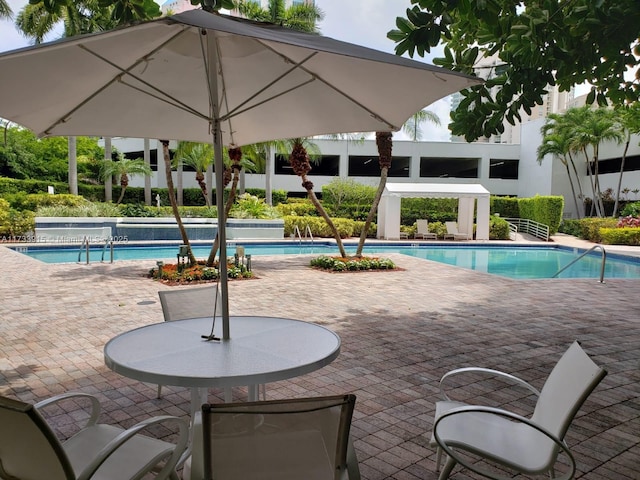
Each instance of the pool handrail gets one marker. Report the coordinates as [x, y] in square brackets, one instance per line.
[604, 259]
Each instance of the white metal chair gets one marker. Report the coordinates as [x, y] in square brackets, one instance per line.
[197, 302]
[422, 231]
[524, 445]
[30, 449]
[305, 438]
[453, 233]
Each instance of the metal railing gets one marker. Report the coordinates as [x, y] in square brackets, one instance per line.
[524, 225]
[85, 247]
[307, 231]
[604, 259]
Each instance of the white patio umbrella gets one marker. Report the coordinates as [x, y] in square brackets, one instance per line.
[205, 77]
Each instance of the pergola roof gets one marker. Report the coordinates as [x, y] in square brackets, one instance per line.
[436, 190]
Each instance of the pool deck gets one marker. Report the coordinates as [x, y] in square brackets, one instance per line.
[400, 330]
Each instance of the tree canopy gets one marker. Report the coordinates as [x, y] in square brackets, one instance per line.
[539, 43]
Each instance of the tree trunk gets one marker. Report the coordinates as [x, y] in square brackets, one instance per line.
[203, 187]
[73, 166]
[580, 192]
[108, 192]
[573, 189]
[374, 208]
[624, 158]
[227, 208]
[316, 203]
[172, 200]
[147, 178]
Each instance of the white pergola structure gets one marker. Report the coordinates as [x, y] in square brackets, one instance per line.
[466, 193]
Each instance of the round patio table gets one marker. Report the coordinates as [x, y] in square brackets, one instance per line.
[261, 350]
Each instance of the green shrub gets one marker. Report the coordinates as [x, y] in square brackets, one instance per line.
[358, 225]
[505, 206]
[620, 236]
[138, 210]
[15, 223]
[336, 264]
[631, 209]
[571, 227]
[318, 226]
[298, 206]
[347, 198]
[250, 206]
[87, 209]
[543, 209]
[498, 228]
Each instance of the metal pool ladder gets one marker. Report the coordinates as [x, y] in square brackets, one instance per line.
[604, 259]
[307, 234]
[84, 247]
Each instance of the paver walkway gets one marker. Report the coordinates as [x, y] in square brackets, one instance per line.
[400, 332]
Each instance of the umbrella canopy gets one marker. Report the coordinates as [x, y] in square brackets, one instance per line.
[206, 77]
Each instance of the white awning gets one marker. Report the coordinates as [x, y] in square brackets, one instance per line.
[436, 190]
[468, 194]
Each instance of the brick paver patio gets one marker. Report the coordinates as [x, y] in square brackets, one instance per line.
[400, 332]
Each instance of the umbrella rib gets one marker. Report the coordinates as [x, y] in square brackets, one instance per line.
[237, 111]
[171, 100]
[63, 118]
[348, 97]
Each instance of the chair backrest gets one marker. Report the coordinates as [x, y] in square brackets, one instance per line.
[569, 384]
[422, 226]
[182, 303]
[452, 227]
[296, 438]
[28, 446]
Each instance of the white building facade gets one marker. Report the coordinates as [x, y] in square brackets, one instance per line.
[503, 169]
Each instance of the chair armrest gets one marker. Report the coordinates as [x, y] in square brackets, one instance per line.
[509, 415]
[489, 372]
[95, 404]
[113, 445]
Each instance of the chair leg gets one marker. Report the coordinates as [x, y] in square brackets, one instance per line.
[448, 467]
[438, 458]
[159, 391]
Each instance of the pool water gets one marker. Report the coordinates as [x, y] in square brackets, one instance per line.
[518, 262]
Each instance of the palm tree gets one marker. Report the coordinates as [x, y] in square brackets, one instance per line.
[557, 145]
[124, 168]
[384, 142]
[172, 200]
[412, 126]
[629, 117]
[597, 126]
[5, 10]
[303, 17]
[197, 156]
[301, 165]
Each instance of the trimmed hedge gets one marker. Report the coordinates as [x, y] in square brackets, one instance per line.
[620, 236]
[543, 209]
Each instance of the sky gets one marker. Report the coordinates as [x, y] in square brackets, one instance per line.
[363, 22]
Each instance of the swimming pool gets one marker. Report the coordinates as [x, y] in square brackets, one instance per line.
[518, 262]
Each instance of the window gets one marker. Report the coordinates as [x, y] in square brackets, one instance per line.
[368, 166]
[448, 167]
[153, 157]
[612, 165]
[506, 169]
[328, 165]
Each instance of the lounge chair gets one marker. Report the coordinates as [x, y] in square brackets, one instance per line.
[29, 447]
[453, 233]
[305, 438]
[422, 230]
[475, 436]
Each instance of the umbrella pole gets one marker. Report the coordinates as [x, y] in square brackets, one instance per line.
[212, 72]
[222, 229]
